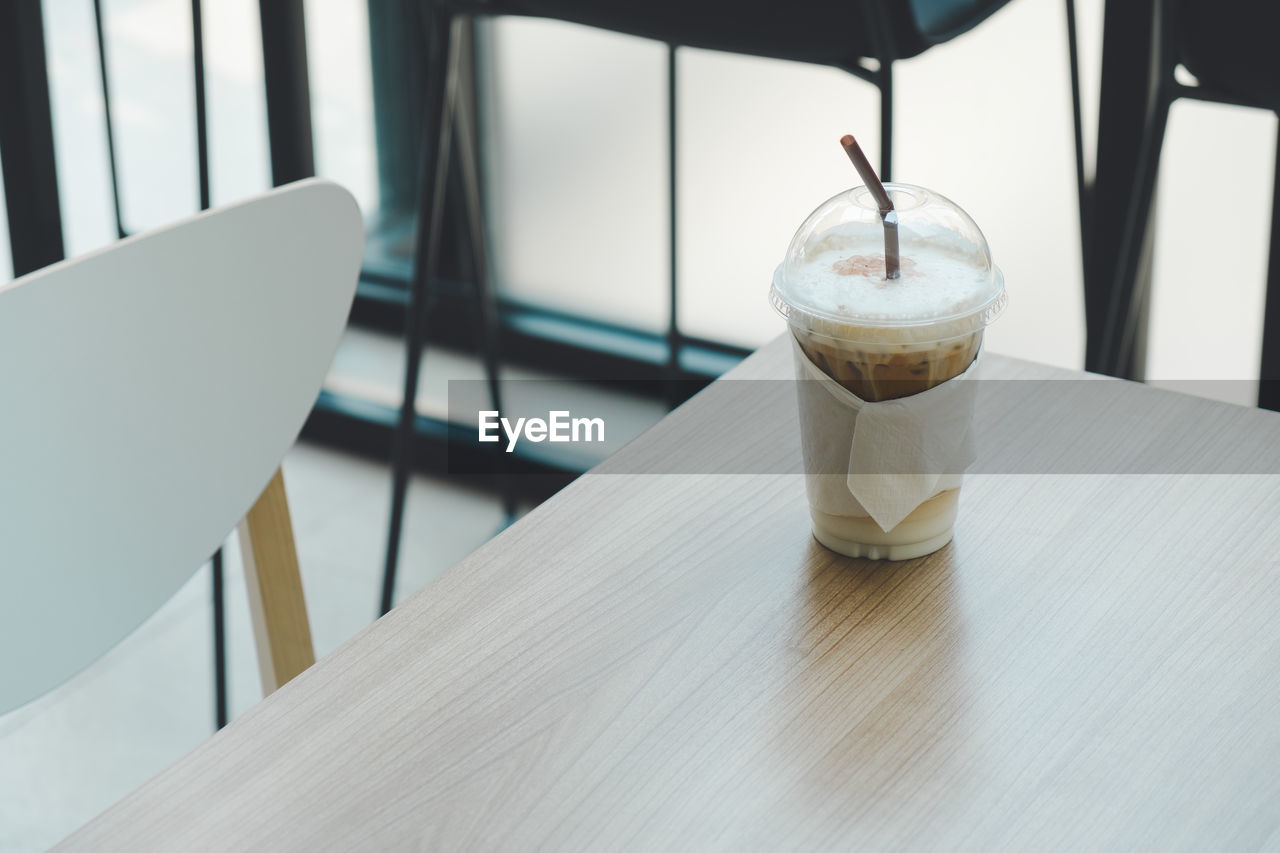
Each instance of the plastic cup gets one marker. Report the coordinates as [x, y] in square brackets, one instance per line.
[884, 340]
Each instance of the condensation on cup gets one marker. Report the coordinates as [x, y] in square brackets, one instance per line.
[885, 401]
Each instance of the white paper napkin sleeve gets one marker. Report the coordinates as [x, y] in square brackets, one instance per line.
[882, 459]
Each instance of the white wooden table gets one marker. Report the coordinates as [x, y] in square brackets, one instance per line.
[671, 662]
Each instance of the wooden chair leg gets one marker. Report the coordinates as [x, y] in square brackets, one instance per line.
[276, 604]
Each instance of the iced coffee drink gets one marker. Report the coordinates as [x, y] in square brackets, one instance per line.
[877, 340]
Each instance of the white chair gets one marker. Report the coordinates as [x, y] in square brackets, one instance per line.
[148, 392]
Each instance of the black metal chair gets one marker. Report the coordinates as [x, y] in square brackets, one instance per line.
[1227, 46]
[862, 37]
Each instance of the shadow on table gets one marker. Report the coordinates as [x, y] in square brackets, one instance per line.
[877, 709]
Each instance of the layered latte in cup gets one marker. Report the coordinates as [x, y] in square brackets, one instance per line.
[874, 340]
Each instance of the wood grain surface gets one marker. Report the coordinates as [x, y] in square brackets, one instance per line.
[671, 662]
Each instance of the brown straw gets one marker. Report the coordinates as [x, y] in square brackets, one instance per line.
[888, 217]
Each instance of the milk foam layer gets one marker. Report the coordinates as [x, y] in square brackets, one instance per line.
[942, 277]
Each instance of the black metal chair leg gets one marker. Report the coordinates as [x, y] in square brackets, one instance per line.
[219, 643]
[885, 82]
[671, 376]
[876, 19]
[29, 173]
[1129, 287]
[1077, 125]
[1128, 51]
[1269, 386]
[288, 91]
[486, 302]
[432, 169]
[107, 112]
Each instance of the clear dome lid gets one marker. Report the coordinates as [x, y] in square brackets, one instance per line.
[834, 270]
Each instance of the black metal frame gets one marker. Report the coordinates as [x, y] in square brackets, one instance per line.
[442, 109]
[1123, 98]
[1269, 372]
[1077, 127]
[100, 32]
[288, 89]
[391, 293]
[26, 140]
[1130, 287]
[631, 351]
[216, 575]
[219, 615]
[448, 127]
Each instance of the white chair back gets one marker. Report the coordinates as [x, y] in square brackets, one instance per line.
[148, 392]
